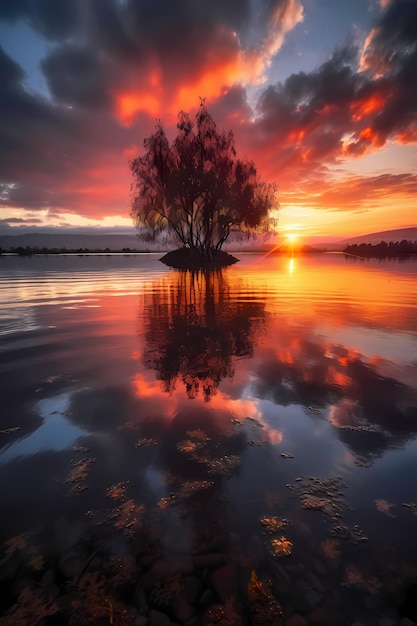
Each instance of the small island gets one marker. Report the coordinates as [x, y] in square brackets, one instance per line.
[185, 258]
[195, 193]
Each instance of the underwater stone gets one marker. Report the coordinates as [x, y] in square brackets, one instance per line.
[71, 563]
[296, 620]
[224, 581]
[183, 610]
[306, 599]
[156, 618]
[193, 589]
[209, 560]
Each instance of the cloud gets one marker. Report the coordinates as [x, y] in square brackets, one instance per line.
[345, 109]
[13, 224]
[158, 58]
[360, 193]
[114, 67]
[20, 220]
[300, 123]
[56, 157]
[75, 75]
[282, 19]
[54, 20]
[393, 39]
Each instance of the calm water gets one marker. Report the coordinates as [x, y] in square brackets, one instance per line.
[208, 448]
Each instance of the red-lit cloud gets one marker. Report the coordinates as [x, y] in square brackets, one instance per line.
[114, 68]
[362, 193]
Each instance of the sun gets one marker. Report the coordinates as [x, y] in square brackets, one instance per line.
[293, 239]
[293, 243]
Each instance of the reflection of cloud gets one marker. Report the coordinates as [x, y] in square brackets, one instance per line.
[222, 409]
[273, 436]
[344, 413]
[370, 412]
[55, 433]
[406, 374]
[145, 388]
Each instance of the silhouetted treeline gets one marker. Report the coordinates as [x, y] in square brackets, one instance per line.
[382, 249]
[29, 251]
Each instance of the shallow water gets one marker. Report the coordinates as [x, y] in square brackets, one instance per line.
[154, 422]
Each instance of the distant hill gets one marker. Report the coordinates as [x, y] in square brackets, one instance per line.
[59, 241]
[410, 234]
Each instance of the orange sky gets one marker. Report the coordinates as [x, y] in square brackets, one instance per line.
[323, 99]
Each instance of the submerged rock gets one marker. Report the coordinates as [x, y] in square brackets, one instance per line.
[296, 620]
[71, 563]
[224, 581]
[193, 589]
[156, 618]
[305, 597]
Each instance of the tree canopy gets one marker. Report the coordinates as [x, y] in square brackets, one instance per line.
[195, 190]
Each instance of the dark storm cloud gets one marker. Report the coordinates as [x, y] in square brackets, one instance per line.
[332, 85]
[76, 75]
[55, 20]
[11, 73]
[12, 9]
[393, 37]
[233, 106]
[121, 65]
[109, 23]
[170, 23]
[117, 46]
[351, 105]
[390, 59]
[113, 64]
[302, 121]
[47, 150]
[23, 121]
[20, 220]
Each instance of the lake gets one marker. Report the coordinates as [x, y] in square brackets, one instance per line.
[232, 447]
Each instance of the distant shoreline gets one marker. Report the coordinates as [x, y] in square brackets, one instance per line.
[24, 252]
[360, 251]
[35, 251]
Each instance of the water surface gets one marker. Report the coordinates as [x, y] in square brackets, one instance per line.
[209, 447]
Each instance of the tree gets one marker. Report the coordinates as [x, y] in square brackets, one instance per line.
[195, 190]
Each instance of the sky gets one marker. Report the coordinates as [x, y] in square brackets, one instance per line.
[321, 95]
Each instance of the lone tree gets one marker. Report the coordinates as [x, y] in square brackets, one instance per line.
[197, 192]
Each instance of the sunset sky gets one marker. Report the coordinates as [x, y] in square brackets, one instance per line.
[321, 94]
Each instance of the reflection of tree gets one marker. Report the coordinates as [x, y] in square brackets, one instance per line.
[195, 327]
